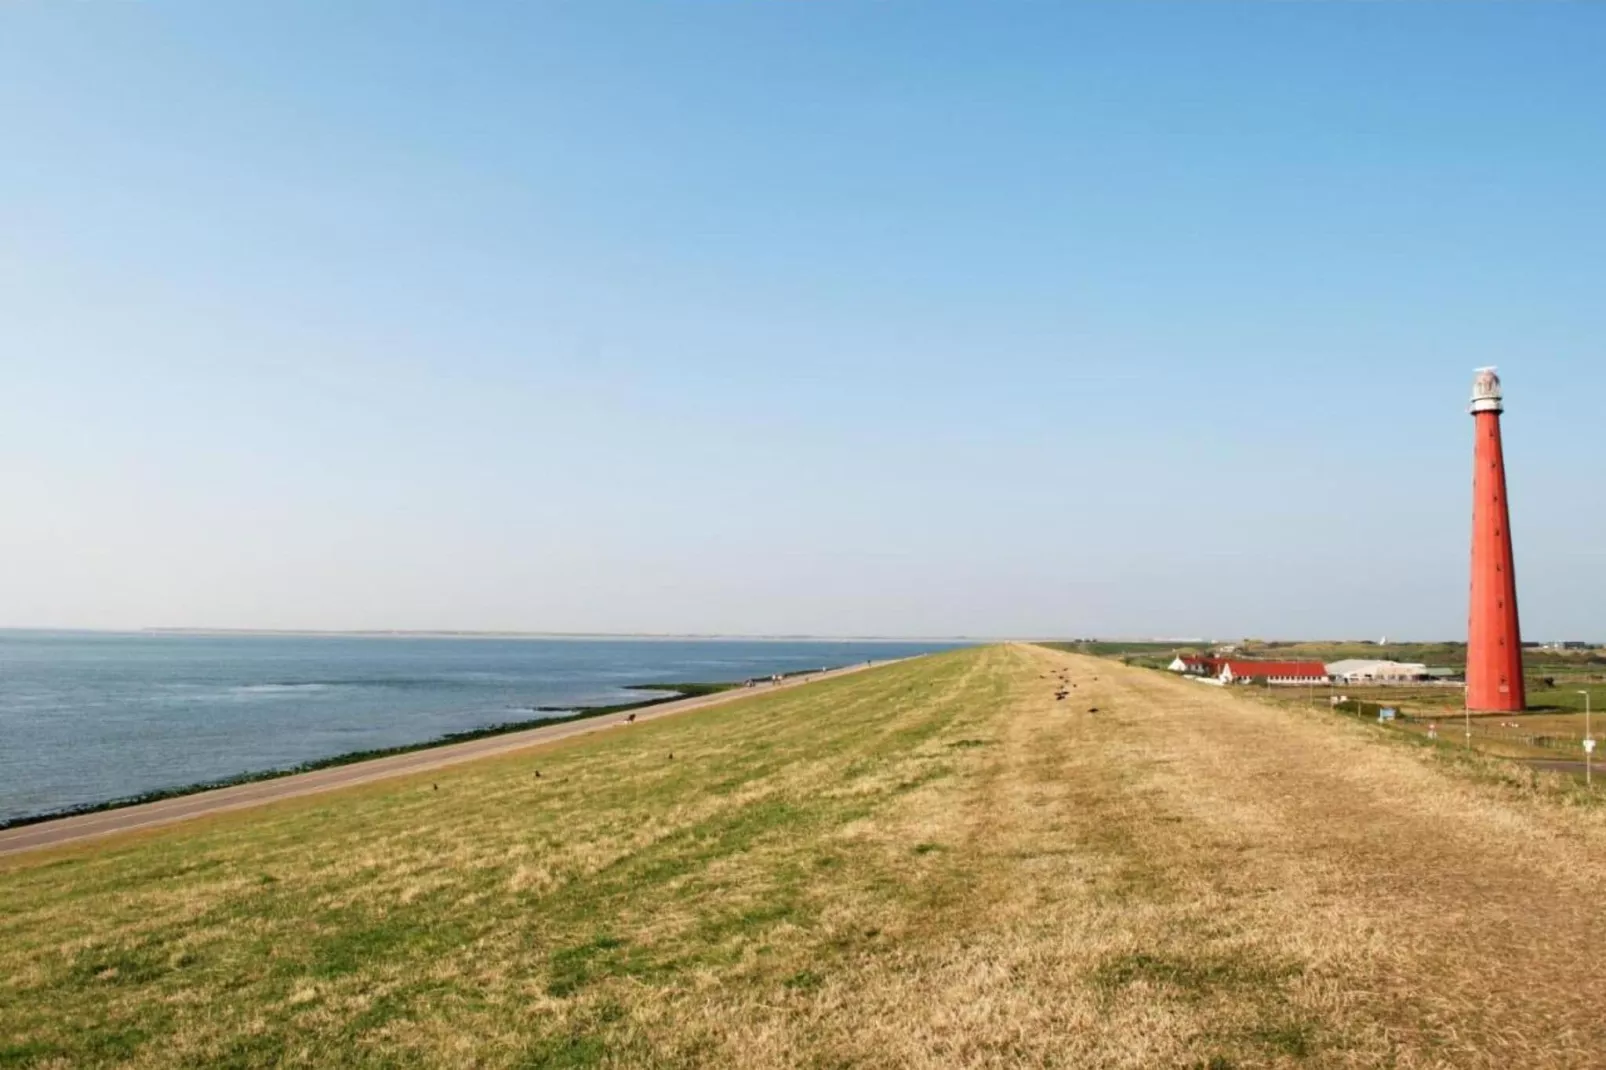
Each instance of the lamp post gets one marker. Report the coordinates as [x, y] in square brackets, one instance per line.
[1589, 743]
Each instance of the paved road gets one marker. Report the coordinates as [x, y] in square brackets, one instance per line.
[167, 811]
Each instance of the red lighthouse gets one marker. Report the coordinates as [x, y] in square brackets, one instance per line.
[1494, 641]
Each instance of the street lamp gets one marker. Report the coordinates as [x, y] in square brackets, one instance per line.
[1589, 742]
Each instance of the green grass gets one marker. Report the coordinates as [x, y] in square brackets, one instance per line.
[1444, 654]
[1440, 654]
[1452, 655]
[354, 918]
[1102, 648]
[1567, 697]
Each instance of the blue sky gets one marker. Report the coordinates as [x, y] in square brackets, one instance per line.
[902, 318]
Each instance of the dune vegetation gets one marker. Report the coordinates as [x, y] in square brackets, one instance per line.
[937, 863]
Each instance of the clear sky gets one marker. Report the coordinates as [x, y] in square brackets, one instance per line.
[838, 318]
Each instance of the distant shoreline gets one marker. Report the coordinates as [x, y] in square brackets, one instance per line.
[403, 633]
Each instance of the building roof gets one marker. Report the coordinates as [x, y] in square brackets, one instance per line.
[1369, 667]
[1299, 669]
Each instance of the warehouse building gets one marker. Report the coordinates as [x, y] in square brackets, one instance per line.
[1363, 671]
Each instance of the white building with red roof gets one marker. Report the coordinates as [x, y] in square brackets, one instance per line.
[1196, 665]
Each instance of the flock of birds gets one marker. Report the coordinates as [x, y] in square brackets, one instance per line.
[1064, 688]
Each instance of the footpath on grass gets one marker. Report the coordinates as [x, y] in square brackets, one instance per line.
[421, 758]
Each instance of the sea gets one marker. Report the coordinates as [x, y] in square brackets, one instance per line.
[87, 718]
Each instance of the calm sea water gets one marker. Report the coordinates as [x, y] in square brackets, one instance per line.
[85, 718]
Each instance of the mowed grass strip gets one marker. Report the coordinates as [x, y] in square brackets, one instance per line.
[937, 863]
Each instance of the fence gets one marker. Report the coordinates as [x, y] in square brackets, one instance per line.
[1481, 729]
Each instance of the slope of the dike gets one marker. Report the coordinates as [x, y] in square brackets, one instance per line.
[933, 864]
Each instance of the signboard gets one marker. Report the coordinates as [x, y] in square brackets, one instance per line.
[1385, 714]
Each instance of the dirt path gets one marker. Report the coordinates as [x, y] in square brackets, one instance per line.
[1393, 914]
[182, 808]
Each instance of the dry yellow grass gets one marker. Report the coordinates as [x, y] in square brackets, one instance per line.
[935, 864]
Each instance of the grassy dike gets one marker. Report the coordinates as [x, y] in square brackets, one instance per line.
[535, 910]
[936, 863]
